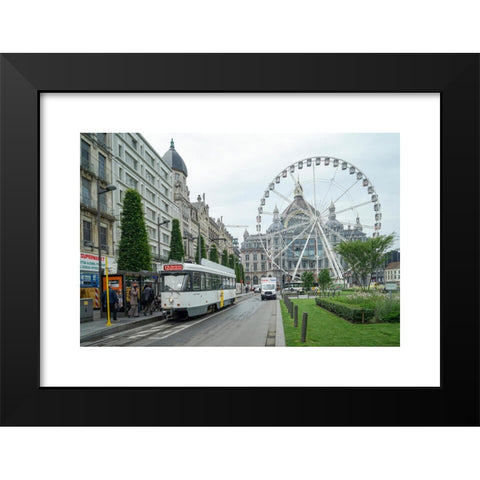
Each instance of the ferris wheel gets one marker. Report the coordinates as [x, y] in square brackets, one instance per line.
[311, 206]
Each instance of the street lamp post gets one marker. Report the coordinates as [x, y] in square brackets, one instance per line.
[165, 222]
[101, 191]
[199, 246]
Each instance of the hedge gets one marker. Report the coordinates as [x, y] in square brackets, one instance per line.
[351, 313]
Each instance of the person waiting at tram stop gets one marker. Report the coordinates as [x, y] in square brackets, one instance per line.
[147, 298]
[112, 300]
[134, 294]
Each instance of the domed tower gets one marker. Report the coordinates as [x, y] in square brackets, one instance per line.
[175, 161]
[181, 195]
[277, 223]
[358, 225]
[332, 223]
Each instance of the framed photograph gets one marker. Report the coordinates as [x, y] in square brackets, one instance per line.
[403, 126]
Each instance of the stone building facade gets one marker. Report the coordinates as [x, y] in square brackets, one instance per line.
[392, 273]
[195, 217]
[96, 172]
[127, 160]
[137, 165]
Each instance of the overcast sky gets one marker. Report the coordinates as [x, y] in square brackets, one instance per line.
[234, 170]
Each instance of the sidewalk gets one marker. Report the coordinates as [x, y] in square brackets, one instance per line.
[98, 328]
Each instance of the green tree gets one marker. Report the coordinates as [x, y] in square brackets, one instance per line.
[363, 257]
[324, 278]
[203, 250]
[231, 261]
[225, 257]
[390, 256]
[134, 251]
[307, 279]
[239, 273]
[214, 254]
[176, 243]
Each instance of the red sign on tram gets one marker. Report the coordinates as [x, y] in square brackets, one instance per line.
[173, 267]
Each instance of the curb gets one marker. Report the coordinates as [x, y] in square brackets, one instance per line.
[279, 332]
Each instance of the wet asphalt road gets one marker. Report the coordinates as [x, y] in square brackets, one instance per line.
[243, 324]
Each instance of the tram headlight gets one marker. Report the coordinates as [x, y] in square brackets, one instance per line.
[170, 299]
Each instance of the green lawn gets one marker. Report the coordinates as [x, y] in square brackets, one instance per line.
[327, 330]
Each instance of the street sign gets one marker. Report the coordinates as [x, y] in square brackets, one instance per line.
[173, 267]
[391, 286]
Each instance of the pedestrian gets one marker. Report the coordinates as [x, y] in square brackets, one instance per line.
[134, 292]
[147, 299]
[112, 300]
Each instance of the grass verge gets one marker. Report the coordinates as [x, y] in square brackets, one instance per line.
[324, 329]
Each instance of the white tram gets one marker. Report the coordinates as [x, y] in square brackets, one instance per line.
[189, 289]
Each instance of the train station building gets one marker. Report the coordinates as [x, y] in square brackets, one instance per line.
[286, 250]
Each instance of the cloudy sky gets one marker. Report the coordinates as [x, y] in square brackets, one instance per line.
[234, 170]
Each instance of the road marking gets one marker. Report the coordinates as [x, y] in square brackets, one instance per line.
[184, 327]
[152, 331]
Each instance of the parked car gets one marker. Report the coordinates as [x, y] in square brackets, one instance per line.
[256, 288]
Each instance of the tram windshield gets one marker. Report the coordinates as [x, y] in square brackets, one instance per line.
[179, 282]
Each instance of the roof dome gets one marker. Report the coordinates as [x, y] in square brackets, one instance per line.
[174, 160]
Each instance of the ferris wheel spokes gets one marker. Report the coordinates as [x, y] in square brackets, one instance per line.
[295, 238]
[332, 256]
[288, 200]
[303, 251]
[353, 207]
[314, 217]
[345, 192]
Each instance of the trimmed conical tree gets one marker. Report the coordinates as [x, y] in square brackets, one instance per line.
[238, 271]
[203, 250]
[225, 257]
[214, 254]
[134, 251]
[176, 243]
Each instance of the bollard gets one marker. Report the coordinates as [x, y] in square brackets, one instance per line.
[295, 316]
[291, 309]
[304, 326]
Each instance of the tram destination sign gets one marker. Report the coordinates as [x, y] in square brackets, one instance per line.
[172, 268]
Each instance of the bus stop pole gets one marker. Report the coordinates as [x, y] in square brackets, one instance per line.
[108, 324]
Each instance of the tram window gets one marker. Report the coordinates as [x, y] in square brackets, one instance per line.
[208, 281]
[175, 282]
[196, 281]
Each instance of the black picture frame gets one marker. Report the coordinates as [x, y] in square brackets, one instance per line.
[24, 77]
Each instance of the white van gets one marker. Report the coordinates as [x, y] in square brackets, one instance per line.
[269, 288]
